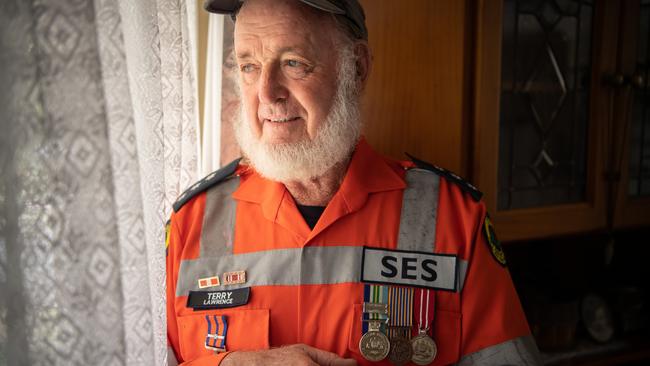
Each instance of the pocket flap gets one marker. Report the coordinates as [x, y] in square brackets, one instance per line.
[248, 329]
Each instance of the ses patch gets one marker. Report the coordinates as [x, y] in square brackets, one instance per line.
[409, 268]
[495, 245]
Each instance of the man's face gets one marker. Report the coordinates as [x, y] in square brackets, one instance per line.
[287, 67]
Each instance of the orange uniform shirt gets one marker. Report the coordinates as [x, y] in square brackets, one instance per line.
[483, 312]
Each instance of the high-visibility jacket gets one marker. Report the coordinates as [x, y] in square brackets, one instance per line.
[305, 286]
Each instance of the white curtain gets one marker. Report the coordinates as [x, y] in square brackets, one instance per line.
[98, 137]
[211, 138]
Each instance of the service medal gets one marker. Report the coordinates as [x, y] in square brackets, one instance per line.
[400, 301]
[374, 345]
[401, 351]
[424, 349]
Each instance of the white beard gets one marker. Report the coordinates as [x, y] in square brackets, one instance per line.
[306, 159]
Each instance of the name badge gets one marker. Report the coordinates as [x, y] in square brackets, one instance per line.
[206, 300]
[406, 268]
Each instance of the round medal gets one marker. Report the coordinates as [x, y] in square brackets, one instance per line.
[374, 346]
[424, 349]
[401, 351]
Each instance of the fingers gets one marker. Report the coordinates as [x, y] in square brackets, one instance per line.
[325, 358]
[297, 354]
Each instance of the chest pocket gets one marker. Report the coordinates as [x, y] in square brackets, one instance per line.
[446, 333]
[248, 329]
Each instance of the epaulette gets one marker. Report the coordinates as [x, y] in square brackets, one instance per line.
[205, 183]
[464, 185]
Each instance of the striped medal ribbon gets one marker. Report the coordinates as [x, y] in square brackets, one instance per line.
[424, 347]
[375, 306]
[374, 344]
[216, 341]
[400, 310]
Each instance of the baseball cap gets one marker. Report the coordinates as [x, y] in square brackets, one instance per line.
[350, 11]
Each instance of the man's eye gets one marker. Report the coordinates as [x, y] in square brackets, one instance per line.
[246, 68]
[294, 63]
[296, 69]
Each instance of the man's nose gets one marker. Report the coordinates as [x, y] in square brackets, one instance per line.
[271, 86]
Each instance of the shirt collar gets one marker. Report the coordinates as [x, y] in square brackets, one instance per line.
[368, 172]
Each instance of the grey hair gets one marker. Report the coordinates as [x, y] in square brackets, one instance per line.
[346, 33]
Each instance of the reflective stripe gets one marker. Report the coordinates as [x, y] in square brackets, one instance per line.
[218, 232]
[417, 227]
[311, 265]
[286, 267]
[518, 351]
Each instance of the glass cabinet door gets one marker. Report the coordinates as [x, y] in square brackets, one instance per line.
[541, 111]
[544, 107]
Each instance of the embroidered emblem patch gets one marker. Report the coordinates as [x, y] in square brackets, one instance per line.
[168, 227]
[493, 242]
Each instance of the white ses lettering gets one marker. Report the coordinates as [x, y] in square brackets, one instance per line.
[218, 298]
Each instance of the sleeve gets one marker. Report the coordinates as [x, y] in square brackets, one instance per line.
[494, 326]
[174, 244]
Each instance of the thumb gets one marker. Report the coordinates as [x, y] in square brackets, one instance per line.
[325, 358]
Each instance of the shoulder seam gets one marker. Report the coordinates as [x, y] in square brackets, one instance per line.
[450, 176]
[207, 182]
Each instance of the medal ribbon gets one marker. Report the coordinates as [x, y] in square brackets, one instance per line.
[427, 305]
[374, 294]
[216, 341]
[420, 327]
[400, 308]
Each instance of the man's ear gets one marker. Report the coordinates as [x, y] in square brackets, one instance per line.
[363, 63]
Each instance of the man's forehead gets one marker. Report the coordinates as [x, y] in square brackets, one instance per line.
[267, 49]
[280, 30]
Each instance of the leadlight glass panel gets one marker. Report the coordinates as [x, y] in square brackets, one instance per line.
[639, 182]
[546, 60]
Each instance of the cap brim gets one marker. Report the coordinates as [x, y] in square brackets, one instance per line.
[222, 6]
[325, 5]
[230, 6]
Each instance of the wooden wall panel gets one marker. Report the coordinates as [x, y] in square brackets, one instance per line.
[416, 97]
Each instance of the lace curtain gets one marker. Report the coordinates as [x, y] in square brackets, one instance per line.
[98, 136]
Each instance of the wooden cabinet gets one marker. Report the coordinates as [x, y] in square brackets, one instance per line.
[441, 89]
[537, 220]
[604, 201]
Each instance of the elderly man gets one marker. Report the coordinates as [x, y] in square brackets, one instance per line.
[315, 250]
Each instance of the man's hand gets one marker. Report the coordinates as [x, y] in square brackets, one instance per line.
[294, 355]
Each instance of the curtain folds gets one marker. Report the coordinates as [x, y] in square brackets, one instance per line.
[98, 138]
[211, 137]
